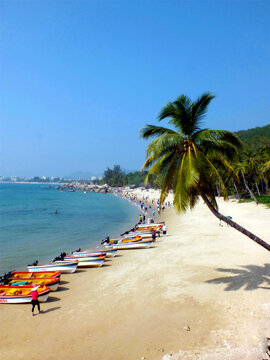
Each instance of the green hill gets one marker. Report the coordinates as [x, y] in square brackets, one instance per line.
[256, 135]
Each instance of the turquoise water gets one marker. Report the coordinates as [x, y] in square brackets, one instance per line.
[30, 229]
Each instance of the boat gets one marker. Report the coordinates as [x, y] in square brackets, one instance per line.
[143, 235]
[150, 227]
[51, 283]
[108, 253]
[86, 256]
[34, 275]
[66, 267]
[132, 238]
[88, 261]
[130, 246]
[21, 294]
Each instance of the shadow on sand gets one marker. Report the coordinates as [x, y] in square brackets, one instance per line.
[62, 288]
[251, 277]
[52, 299]
[63, 282]
[49, 310]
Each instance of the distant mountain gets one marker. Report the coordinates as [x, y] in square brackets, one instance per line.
[258, 134]
[79, 175]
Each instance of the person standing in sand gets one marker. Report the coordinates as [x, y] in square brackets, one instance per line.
[35, 300]
[153, 235]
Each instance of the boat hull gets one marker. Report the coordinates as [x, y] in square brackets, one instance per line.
[130, 246]
[51, 283]
[91, 262]
[27, 275]
[25, 295]
[107, 253]
[63, 268]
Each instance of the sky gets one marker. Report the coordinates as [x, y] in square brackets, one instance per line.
[79, 79]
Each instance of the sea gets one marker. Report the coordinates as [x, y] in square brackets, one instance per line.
[31, 230]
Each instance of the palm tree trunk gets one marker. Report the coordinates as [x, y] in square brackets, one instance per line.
[257, 188]
[234, 224]
[248, 189]
[237, 192]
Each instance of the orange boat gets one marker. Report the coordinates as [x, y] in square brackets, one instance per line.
[135, 238]
[34, 275]
[51, 283]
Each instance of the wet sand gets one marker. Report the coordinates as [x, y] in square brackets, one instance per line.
[201, 292]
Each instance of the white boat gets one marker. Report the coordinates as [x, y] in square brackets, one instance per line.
[129, 246]
[84, 257]
[88, 262]
[107, 253]
[143, 235]
[65, 267]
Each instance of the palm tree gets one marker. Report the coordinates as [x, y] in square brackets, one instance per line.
[188, 157]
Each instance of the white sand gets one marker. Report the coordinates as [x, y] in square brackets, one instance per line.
[139, 306]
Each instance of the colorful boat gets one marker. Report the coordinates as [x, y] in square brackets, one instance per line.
[51, 283]
[34, 275]
[150, 227]
[132, 238]
[130, 246]
[65, 267]
[21, 294]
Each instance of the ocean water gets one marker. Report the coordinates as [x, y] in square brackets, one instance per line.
[30, 229]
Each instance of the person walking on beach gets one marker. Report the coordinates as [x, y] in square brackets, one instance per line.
[35, 300]
[164, 229]
[154, 212]
[153, 235]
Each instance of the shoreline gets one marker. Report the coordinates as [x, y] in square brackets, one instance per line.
[15, 262]
[209, 279]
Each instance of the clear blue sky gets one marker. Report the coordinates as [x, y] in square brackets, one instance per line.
[78, 79]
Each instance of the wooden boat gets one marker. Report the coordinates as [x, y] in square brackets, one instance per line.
[130, 246]
[21, 294]
[28, 275]
[66, 267]
[52, 283]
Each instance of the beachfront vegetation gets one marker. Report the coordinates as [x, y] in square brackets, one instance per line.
[116, 177]
[196, 162]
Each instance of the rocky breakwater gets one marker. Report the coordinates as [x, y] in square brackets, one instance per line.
[77, 186]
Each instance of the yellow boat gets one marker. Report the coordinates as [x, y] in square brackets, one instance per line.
[124, 240]
[34, 275]
[51, 283]
[19, 294]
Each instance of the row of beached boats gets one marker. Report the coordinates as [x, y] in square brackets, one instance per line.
[16, 287]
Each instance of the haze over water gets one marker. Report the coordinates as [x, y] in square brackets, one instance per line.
[30, 229]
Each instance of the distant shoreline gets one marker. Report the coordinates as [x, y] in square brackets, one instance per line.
[29, 182]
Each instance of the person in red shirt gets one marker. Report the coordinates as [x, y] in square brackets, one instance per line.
[35, 301]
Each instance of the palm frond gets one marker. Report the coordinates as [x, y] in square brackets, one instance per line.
[152, 130]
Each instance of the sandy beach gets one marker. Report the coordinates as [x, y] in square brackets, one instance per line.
[201, 292]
